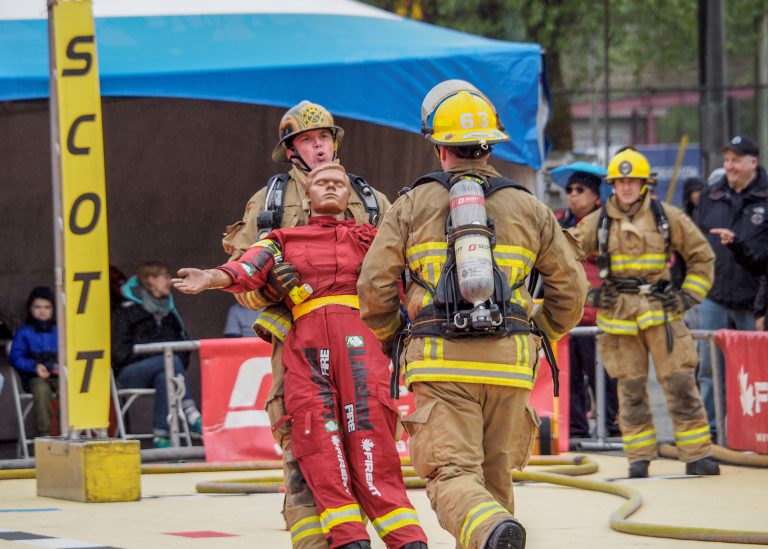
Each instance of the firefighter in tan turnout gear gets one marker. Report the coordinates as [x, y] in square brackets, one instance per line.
[308, 138]
[470, 357]
[640, 312]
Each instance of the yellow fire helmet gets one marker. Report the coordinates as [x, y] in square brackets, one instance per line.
[628, 163]
[455, 113]
[301, 118]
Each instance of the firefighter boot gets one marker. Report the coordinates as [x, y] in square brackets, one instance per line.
[415, 545]
[510, 534]
[639, 469]
[362, 544]
[703, 466]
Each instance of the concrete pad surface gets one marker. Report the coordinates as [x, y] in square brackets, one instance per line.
[554, 516]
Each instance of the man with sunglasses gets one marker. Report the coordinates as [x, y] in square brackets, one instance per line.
[582, 192]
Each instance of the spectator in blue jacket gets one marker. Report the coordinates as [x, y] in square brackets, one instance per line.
[148, 315]
[737, 202]
[34, 353]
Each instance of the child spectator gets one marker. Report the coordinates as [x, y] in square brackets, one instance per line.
[34, 354]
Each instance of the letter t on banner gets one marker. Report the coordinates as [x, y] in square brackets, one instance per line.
[80, 218]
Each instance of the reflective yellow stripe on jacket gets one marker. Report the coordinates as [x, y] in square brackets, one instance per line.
[275, 320]
[399, 518]
[427, 261]
[470, 372]
[645, 262]
[697, 285]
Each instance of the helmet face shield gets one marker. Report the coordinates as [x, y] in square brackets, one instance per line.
[455, 113]
[301, 118]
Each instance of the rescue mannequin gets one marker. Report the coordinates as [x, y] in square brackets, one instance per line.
[336, 378]
[472, 424]
[640, 311]
[308, 137]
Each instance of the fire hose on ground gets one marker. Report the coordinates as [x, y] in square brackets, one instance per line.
[563, 471]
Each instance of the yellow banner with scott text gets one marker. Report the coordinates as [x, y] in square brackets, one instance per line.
[81, 215]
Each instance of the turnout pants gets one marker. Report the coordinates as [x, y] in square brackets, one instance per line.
[299, 509]
[465, 440]
[337, 392]
[626, 358]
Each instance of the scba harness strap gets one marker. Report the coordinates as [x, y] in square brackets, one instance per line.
[447, 316]
[635, 285]
[272, 215]
[603, 234]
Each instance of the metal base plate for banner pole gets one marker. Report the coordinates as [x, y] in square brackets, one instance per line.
[89, 471]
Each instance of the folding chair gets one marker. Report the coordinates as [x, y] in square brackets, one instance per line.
[22, 401]
[123, 399]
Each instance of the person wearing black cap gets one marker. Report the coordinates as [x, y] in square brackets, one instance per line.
[738, 202]
[34, 354]
[582, 194]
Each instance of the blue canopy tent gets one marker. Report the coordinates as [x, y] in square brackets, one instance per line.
[193, 91]
[358, 61]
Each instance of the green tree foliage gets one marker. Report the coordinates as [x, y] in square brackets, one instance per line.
[653, 43]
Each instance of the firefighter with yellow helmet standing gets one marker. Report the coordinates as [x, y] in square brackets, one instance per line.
[640, 312]
[468, 239]
[308, 137]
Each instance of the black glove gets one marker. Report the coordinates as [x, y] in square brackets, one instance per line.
[676, 301]
[603, 297]
[282, 278]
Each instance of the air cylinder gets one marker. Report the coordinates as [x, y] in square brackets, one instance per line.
[474, 262]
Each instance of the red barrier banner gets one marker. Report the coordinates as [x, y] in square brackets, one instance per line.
[236, 376]
[746, 382]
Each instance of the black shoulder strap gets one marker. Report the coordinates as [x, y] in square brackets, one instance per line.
[603, 230]
[270, 218]
[366, 194]
[603, 260]
[446, 179]
[498, 183]
[440, 176]
[662, 223]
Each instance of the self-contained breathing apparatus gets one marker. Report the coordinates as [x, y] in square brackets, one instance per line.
[473, 296]
[636, 284]
[272, 215]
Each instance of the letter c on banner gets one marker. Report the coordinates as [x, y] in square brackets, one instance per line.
[78, 229]
[71, 147]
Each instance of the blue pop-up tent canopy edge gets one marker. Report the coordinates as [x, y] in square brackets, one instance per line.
[375, 69]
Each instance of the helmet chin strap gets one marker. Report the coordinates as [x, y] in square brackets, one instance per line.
[297, 160]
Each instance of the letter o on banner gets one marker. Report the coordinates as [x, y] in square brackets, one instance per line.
[84, 229]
